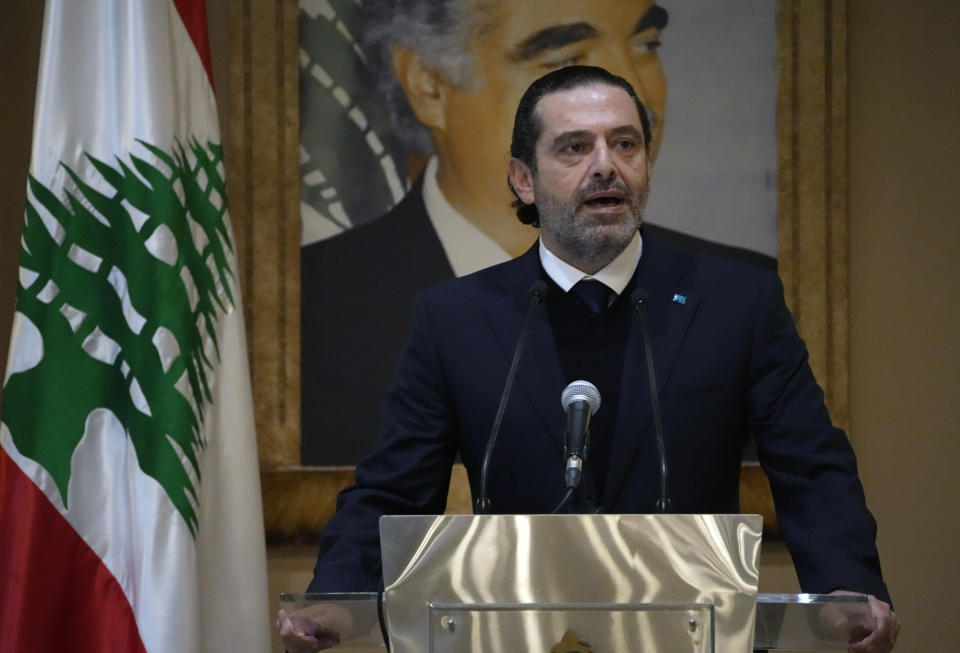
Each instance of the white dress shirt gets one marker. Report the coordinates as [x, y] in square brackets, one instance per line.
[615, 275]
[468, 249]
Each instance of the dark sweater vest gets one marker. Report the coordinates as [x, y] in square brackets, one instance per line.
[591, 348]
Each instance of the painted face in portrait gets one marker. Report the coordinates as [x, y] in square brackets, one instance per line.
[512, 45]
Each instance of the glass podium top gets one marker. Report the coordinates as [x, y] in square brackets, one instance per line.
[812, 622]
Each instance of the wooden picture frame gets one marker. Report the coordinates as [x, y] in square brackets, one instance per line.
[263, 176]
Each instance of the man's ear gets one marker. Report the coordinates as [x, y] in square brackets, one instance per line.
[521, 178]
[423, 87]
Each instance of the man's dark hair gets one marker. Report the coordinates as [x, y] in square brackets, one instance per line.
[527, 125]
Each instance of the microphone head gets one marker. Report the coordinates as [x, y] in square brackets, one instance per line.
[581, 391]
[537, 291]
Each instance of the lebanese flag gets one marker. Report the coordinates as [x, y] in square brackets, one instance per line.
[130, 514]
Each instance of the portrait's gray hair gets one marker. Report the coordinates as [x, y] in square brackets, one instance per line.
[438, 33]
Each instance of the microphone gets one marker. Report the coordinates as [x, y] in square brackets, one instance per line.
[580, 400]
[641, 303]
[535, 295]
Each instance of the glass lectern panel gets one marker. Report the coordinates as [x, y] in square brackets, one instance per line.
[499, 628]
[808, 622]
[358, 610]
[788, 622]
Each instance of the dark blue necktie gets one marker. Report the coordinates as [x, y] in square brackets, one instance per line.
[594, 294]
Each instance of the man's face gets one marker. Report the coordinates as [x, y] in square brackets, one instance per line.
[526, 40]
[591, 180]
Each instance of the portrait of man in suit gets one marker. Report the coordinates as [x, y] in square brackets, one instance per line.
[448, 75]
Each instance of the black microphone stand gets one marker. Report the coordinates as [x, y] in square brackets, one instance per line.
[536, 294]
[640, 304]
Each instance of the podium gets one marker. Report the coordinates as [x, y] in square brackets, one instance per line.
[576, 583]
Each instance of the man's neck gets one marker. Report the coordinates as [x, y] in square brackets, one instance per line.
[589, 265]
[491, 214]
[615, 275]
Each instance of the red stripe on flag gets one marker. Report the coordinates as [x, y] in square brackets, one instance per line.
[193, 13]
[55, 592]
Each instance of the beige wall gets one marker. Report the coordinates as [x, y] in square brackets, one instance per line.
[905, 299]
[904, 286]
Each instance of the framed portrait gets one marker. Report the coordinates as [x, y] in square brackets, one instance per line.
[333, 129]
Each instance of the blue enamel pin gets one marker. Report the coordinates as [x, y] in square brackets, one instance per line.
[679, 299]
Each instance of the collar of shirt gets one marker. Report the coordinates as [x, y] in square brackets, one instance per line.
[467, 248]
[615, 275]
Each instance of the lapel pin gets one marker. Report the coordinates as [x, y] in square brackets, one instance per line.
[679, 299]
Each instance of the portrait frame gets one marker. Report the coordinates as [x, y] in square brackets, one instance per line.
[262, 160]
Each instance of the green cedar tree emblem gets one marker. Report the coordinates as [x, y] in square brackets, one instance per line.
[126, 288]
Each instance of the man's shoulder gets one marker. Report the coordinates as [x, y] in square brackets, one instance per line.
[705, 261]
[709, 250]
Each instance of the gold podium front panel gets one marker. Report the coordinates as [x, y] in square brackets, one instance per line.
[498, 583]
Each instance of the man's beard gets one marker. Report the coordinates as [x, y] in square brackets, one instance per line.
[587, 237]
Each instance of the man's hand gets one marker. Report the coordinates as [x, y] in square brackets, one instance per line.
[314, 627]
[873, 633]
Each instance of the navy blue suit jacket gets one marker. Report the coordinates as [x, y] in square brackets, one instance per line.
[728, 360]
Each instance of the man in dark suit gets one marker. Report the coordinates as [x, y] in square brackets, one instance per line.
[726, 353]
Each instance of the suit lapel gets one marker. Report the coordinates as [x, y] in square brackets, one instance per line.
[672, 306]
[539, 375]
